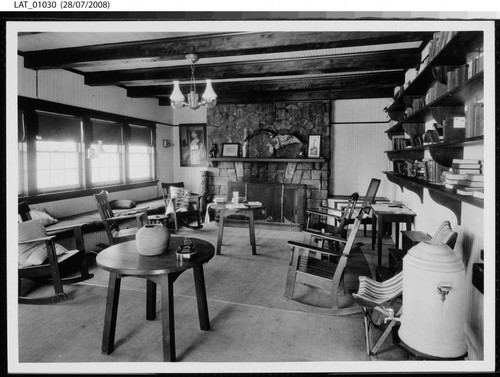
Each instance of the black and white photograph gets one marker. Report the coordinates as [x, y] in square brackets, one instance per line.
[354, 244]
[193, 141]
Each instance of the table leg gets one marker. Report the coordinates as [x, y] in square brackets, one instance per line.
[251, 230]
[396, 236]
[380, 228]
[108, 336]
[167, 317]
[150, 300]
[374, 230]
[201, 297]
[408, 225]
[221, 232]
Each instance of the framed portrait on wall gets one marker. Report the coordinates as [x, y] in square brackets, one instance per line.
[193, 144]
[314, 146]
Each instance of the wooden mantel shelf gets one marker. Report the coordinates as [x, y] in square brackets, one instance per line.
[270, 159]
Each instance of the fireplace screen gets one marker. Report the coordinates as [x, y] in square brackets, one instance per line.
[283, 203]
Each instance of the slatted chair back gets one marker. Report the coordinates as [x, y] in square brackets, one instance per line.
[165, 188]
[23, 209]
[348, 211]
[445, 235]
[103, 205]
[371, 192]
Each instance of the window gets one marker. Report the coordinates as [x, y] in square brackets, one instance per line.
[140, 153]
[66, 151]
[58, 157]
[106, 152]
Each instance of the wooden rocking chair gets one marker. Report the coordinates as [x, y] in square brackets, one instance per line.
[115, 233]
[57, 268]
[320, 231]
[325, 274]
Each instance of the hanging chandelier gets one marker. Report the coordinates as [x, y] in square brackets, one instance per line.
[208, 99]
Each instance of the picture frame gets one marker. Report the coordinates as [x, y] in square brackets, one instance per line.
[230, 150]
[193, 144]
[314, 146]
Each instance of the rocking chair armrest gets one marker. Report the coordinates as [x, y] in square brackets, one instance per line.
[64, 228]
[39, 239]
[125, 217]
[320, 213]
[314, 248]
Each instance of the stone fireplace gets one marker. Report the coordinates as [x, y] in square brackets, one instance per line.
[261, 168]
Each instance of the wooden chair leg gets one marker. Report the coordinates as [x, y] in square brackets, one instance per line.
[367, 331]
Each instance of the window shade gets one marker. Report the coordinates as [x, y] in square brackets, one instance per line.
[55, 127]
[108, 132]
[140, 135]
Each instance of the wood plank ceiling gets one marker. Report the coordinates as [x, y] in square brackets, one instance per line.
[245, 67]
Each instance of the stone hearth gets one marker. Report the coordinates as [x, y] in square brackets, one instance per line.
[231, 124]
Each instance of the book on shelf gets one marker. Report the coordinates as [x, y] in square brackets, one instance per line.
[459, 191]
[465, 171]
[478, 194]
[466, 182]
[452, 182]
[474, 177]
[449, 185]
[468, 188]
[465, 161]
[465, 166]
[474, 123]
[454, 176]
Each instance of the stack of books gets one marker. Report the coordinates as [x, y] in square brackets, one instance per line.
[471, 185]
[451, 179]
[465, 177]
[464, 166]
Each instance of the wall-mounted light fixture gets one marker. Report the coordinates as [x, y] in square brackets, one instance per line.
[166, 143]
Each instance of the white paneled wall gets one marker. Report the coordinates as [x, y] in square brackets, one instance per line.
[357, 148]
[69, 88]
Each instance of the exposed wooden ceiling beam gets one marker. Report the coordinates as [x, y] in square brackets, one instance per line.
[313, 83]
[294, 96]
[322, 64]
[228, 44]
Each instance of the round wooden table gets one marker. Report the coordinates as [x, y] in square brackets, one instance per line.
[122, 260]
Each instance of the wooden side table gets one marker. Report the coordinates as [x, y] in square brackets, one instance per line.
[387, 213]
[123, 260]
[227, 209]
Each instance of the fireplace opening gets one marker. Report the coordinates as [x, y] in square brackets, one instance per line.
[284, 203]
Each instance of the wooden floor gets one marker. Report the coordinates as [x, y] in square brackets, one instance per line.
[251, 320]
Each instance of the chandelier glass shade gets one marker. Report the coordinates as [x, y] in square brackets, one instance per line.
[208, 99]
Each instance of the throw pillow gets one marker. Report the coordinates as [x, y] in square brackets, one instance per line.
[121, 204]
[35, 253]
[42, 215]
[181, 197]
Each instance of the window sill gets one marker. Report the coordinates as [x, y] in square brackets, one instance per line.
[49, 197]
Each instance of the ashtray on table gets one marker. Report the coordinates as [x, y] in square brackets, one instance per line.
[186, 251]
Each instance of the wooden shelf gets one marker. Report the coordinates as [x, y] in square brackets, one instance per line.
[452, 53]
[269, 160]
[439, 193]
[443, 152]
[455, 97]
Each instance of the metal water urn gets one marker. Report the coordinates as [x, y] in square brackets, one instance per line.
[433, 316]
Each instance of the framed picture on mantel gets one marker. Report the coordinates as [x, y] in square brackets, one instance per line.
[230, 150]
[314, 146]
